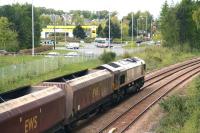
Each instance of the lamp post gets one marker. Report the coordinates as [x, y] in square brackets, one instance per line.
[146, 27]
[137, 27]
[121, 30]
[65, 19]
[145, 24]
[109, 30]
[132, 26]
[33, 45]
[54, 45]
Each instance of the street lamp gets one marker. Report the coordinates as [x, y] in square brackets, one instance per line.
[65, 19]
[54, 32]
[33, 45]
[109, 30]
[132, 26]
[146, 17]
[137, 27]
[121, 29]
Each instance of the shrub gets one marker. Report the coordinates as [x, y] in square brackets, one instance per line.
[37, 50]
[107, 57]
[126, 55]
[88, 40]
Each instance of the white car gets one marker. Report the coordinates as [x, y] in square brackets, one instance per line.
[73, 46]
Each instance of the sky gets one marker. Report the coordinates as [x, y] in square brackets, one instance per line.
[123, 7]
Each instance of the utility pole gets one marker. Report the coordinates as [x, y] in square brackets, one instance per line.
[121, 30]
[151, 28]
[33, 43]
[132, 27]
[54, 45]
[109, 29]
[65, 26]
[137, 28]
[146, 26]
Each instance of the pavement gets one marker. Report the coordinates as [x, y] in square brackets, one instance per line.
[92, 49]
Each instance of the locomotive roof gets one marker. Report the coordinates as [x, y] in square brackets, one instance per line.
[123, 64]
[27, 99]
[88, 79]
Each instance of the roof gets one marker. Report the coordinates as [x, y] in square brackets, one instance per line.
[89, 79]
[29, 98]
[123, 64]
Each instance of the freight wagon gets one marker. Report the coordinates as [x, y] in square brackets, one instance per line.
[67, 99]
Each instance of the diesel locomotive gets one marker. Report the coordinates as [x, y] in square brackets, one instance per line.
[56, 104]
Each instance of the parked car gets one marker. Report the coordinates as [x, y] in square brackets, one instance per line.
[3, 52]
[73, 46]
[102, 42]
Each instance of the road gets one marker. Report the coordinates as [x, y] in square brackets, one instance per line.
[91, 48]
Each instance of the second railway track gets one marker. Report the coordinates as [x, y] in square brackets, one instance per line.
[124, 115]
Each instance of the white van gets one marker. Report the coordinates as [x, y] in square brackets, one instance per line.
[102, 42]
[73, 46]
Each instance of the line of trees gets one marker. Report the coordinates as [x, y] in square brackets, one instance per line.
[179, 25]
[20, 21]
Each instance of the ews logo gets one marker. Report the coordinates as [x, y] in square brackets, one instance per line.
[31, 124]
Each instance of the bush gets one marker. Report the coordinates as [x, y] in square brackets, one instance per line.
[107, 57]
[37, 50]
[88, 40]
[126, 55]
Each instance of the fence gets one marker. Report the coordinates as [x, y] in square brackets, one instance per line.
[12, 73]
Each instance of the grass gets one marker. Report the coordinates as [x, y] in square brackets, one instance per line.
[10, 60]
[130, 45]
[182, 112]
[155, 58]
[33, 80]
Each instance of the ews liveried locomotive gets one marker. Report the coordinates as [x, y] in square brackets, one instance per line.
[62, 101]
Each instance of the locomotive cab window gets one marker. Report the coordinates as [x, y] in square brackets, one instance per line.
[122, 79]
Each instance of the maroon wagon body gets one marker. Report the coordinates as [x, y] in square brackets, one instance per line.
[84, 91]
[33, 113]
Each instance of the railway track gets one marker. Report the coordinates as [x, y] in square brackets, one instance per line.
[156, 86]
[125, 120]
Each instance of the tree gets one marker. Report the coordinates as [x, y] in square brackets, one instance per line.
[196, 17]
[178, 25]
[8, 38]
[20, 17]
[114, 30]
[45, 20]
[100, 31]
[139, 22]
[78, 32]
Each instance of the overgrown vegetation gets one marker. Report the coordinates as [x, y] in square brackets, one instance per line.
[157, 57]
[182, 112]
[179, 25]
[153, 56]
[107, 57]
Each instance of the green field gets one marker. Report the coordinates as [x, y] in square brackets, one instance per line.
[18, 59]
[62, 71]
[155, 58]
